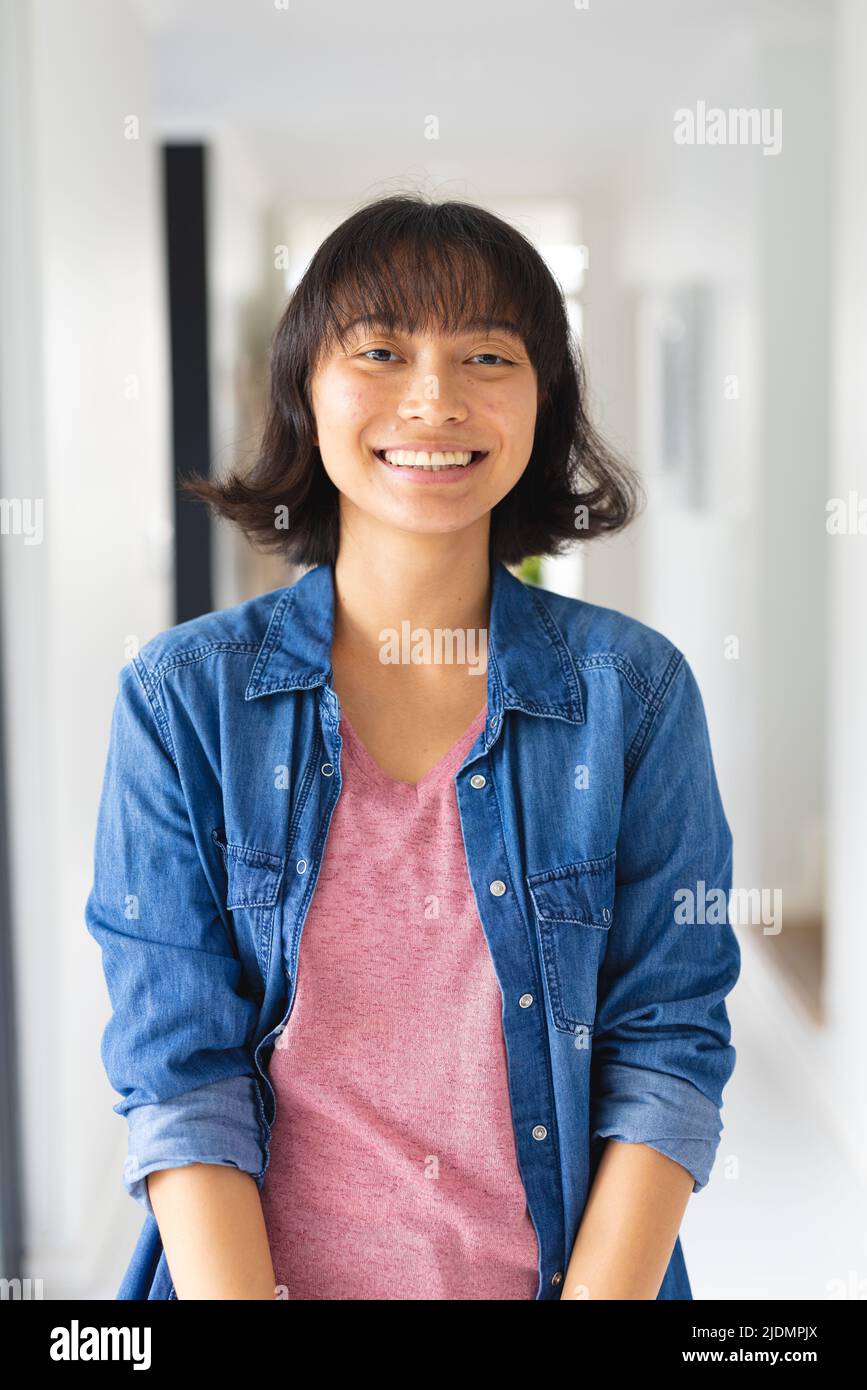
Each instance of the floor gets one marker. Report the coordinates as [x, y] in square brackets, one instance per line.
[790, 1219]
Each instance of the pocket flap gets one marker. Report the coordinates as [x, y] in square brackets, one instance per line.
[254, 874]
[582, 893]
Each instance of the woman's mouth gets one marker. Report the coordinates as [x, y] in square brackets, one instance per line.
[450, 463]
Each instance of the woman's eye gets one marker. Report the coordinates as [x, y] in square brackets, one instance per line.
[494, 357]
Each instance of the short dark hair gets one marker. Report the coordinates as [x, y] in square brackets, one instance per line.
[407, 262]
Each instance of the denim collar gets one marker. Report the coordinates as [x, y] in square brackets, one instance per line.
[530, 668]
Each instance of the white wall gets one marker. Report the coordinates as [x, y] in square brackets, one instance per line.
[84, 426]
[847, 609]
[784, 253]
[690, 574]
[752, 229]
[245, 294]
[794, 286]
[612, 567]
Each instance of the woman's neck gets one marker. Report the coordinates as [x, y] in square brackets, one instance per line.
[432, 582]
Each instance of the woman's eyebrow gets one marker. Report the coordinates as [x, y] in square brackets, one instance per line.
[488, 326]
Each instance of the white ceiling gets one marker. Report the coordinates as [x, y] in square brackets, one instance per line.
[538, 98]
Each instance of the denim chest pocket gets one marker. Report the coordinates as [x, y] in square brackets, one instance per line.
[253, 878]
[574, 908]
[254, 874]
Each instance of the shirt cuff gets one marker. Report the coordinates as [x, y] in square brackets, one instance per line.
[665, 1112]
[219, 1123]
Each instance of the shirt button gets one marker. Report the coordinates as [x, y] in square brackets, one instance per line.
[498, 887]
[540, 1132]
[557, 1278]
[606, 914]
[301, 866]
[525, 1001]
[327, 770]
[478, 780]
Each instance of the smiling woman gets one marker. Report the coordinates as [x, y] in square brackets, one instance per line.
[412, 970]
[412, 302]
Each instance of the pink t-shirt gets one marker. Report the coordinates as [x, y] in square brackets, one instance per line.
[393, 1172]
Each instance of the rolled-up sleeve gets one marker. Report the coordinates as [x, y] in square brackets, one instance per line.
[177, 1044]
[662, 1050]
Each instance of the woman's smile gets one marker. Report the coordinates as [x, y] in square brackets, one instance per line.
[431, 465]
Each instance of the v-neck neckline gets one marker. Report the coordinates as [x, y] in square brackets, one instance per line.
[371, 769]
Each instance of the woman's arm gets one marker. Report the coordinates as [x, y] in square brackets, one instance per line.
[661, 1050]
[178, 1045]
[629, 1226]
[213, 1231]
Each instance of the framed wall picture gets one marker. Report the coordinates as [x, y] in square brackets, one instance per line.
[678, 347]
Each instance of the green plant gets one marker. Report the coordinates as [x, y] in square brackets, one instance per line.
[530, 570]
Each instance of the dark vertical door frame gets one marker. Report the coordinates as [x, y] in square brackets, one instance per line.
[185, 195]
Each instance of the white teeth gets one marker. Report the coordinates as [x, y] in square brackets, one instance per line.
[407, 458]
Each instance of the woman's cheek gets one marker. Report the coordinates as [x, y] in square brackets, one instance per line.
[356, 405]
[509, 418]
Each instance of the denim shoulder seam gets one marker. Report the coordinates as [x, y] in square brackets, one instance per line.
[186, 658]
[151, 680]
[156, 709]
[653, 706]
[596, 661]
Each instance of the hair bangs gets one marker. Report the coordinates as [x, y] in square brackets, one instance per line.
[404, 263]
[424, 273]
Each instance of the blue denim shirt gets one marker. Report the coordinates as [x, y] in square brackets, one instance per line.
[590, 813]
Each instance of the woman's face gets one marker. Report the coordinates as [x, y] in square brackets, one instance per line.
[425, 395]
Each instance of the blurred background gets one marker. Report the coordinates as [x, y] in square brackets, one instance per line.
[168, 167]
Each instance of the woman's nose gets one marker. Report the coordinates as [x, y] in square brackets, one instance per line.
[434, 396]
